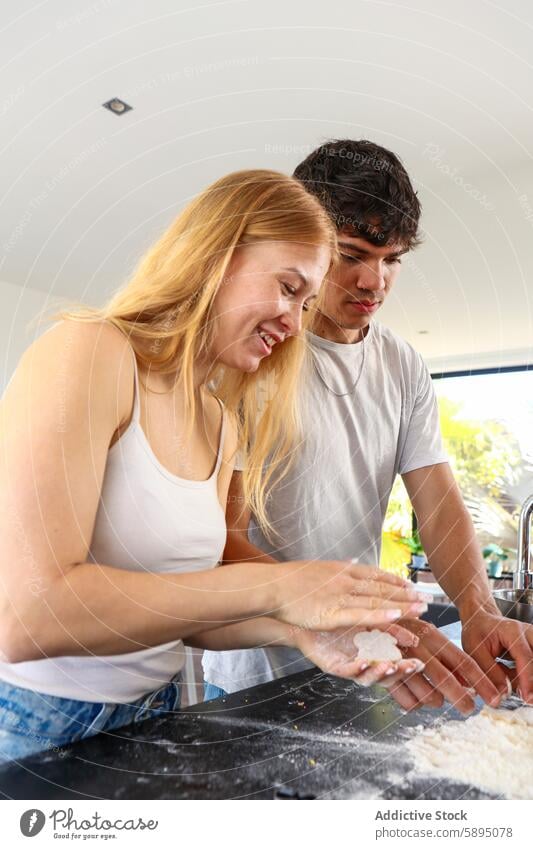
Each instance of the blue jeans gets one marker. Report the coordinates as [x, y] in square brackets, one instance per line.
[211, 691]
[32, 722]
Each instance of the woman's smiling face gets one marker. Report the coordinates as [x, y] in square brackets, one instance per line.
[261, 300]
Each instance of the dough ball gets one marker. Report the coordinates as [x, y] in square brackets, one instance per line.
[376, 645]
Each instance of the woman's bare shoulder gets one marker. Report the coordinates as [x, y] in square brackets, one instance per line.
[92, 355]
[96, 337]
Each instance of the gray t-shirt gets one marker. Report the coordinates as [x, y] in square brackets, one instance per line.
[332, 503]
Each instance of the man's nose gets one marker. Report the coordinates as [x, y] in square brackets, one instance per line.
[371, 277]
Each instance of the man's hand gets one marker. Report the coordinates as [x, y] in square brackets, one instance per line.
[334, 652]
[449, 673]
[488, 635]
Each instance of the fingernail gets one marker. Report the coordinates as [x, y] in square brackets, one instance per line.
[390, 672]
[415, 596]
[424, 597]
[419, 608]
[393, 614]
[363, 667]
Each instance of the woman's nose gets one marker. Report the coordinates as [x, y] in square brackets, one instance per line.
[291, 319]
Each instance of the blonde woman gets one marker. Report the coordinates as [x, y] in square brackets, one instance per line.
[115, 466]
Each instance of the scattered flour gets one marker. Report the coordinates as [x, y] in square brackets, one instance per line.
[492, 750]
[376, 645]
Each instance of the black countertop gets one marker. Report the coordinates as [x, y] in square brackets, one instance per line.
[309, 735]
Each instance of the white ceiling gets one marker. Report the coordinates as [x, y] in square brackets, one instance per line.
[218, 86]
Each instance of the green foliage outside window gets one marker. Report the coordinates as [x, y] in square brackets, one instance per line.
[489, 466]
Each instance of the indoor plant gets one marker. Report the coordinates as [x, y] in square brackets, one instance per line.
[494, 556]
[414, 544]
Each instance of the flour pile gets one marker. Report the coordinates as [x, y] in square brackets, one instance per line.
[492, 750]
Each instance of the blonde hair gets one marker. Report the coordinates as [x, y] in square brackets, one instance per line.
[166, 305]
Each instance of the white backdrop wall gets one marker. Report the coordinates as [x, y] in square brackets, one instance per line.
[18, 308]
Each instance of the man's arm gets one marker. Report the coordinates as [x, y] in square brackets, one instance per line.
[238, 547]
[449, 539]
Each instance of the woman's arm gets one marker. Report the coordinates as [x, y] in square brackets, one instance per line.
[72, 390]
[254, 633]
[333, 652]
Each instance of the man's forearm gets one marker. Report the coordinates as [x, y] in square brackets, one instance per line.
[239, 549]
[449, 538]
[450, 542]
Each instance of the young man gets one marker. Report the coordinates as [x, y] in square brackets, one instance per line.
[369, 414]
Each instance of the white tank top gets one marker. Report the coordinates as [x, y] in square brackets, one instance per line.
[147, 520]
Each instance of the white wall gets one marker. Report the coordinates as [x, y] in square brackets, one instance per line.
[463, 298]
[18, 308]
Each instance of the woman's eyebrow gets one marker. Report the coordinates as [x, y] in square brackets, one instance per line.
[300, 274]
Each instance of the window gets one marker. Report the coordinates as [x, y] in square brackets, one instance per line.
[487, 427]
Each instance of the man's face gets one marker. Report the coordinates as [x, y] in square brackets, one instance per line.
[357, 287]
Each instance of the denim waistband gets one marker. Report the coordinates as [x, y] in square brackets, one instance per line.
[31, 721]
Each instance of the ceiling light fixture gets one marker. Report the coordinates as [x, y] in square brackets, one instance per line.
[117, 106]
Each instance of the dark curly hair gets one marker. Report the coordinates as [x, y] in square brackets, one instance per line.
[365, 189]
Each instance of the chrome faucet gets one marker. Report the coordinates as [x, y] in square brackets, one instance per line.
[523, 577]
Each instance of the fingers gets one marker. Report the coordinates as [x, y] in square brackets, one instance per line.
[373, 573]
[366, 673]
[386, 671]
[448, 685]
[528, 696]
[366, 611]
[405, 698]
[403, 637]
[439, 660]
[520, 651]
[351, 617]
[466, 669]
[421, 689]
[375, 673]
[486, 640]
[382, 589]
[481, 672]
[352, 669]
[408, 608]
[405, 671]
